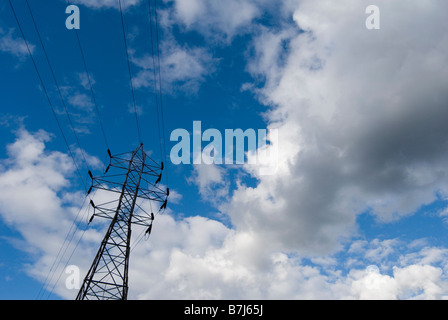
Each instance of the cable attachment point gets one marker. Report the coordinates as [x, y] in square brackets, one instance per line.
[91, 186]
[159, 178]
[148, 231]
[164, 204]
[110, 161]
[93, 215]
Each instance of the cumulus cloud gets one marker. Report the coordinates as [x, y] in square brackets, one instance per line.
[211, 182]
[361, 121]
[36, 174]
[216, 18]
[233, 265]
[37, 199]
[201, 258]
[411, 282]
[361, 127]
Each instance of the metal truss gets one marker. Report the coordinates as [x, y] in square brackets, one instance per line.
[133, 176]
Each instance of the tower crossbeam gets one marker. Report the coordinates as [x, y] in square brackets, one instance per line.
[107, 278]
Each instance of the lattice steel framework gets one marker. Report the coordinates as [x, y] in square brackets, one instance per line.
[137, 177]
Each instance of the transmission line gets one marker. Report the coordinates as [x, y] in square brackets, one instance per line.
[57, 85]
[89, 80]
[156, 93]
[159, 95]
[129, 71]
[91, 90]
[46, 93]
[70, 233]
[160, 87]
[61, 252]
[68, 260]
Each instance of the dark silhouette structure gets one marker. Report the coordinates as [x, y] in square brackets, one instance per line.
[132, 176]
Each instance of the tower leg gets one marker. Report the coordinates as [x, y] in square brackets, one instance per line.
[107, 278]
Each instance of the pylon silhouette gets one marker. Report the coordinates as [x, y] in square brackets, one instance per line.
[137, 177]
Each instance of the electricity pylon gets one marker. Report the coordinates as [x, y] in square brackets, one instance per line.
[137, 177]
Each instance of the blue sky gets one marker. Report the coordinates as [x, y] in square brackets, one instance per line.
[357, 205]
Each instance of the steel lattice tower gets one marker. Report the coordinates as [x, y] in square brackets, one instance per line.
[137, 177]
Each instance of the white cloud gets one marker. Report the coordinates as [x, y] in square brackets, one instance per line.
[361, 121]
[370, 285]
[81, 100]
[423, 281]
[36, 199]
[201, 258]
[183, 68]
[236, 265]
[211, 182]
[86, 80]
[410, 282]
[360, 117]
[78, 102]
[79, 96]
[14, 45]
[216, 18]
[380, 250]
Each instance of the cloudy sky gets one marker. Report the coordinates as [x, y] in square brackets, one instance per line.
[356, 207]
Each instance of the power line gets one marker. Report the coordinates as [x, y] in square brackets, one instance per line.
[48, 278]
[107, 277]
[160, 87]
[61, 253]
[70, 235]
[68, 260]
[91, 90]
[56, 83]
[164, 155]
[89, 80]
[129, 70]
[46, 93]
[156, 93]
